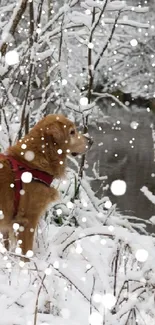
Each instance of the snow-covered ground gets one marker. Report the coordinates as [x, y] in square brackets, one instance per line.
[97, 273]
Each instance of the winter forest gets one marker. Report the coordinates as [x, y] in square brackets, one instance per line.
[93, 261]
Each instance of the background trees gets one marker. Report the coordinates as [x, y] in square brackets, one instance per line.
[62, 52]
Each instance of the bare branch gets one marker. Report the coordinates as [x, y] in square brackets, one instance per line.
[108, 41]
[105, 95]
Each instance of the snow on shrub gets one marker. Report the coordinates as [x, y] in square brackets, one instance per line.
[100, 268]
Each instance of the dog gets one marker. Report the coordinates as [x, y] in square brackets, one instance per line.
[42, 155]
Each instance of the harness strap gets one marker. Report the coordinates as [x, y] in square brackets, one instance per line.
[18, 169]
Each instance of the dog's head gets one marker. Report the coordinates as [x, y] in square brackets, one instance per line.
[63, 135]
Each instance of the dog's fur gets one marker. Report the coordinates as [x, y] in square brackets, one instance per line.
[50, 134]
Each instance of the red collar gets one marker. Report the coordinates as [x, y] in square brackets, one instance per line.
[19, 168]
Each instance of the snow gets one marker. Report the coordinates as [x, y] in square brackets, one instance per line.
[67, 284]
[114, 6]
[128, 22]
[108, 300]
[148, 194]
[95, 319]
[90, 264]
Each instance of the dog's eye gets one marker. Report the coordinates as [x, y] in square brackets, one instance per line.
[72, 132]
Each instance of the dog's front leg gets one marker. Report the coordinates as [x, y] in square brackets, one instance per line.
[26, 237]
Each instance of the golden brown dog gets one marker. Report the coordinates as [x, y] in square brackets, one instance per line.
[45, 148]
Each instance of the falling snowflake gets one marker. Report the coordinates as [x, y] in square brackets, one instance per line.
[134, 42]
[59, 211]
[134, 125]
[22, 192]
[12, 57]
[90, 45]
[29, 155]
[59, 151]
[70, 205]
[29, 253]
[111, 228]
[64, 82]
[23, 146]
[108, 204]
[83, 101]
[26, 177]
[118, 187]
[15, 226]
[141, 255]
[21, 263]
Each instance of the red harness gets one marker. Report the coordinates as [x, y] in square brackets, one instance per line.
[18, 169]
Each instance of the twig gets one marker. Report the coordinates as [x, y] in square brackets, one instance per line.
[99, 17]
[88, 233]
[37, 300]
[75, 286]
[90, 83]
[33, 39]
[116, 269]
[108, 41]
[15, 22]
[130, 312]
[31, 14]
[105, 95]
[61, 40]
[90, 74]
[92, 291]
[7, 125]
[39, 276]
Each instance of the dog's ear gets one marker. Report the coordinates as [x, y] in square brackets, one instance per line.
[56, 132]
